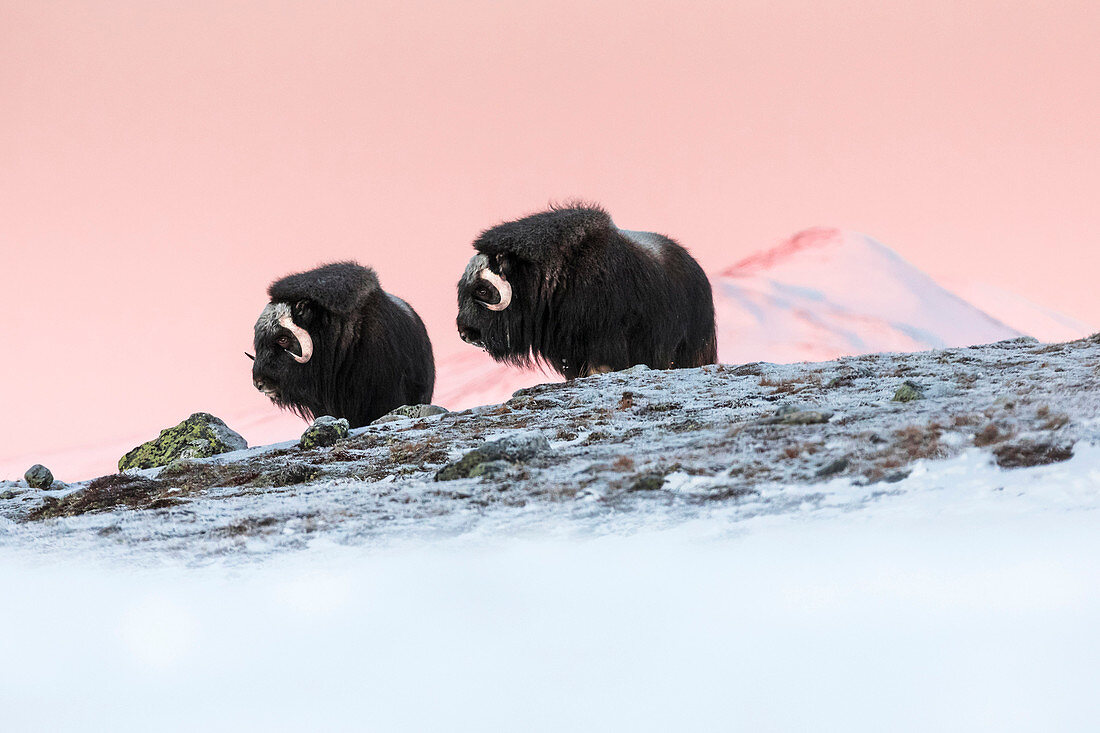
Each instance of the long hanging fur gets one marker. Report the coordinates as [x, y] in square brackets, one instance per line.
[588, 296]
[371, 352]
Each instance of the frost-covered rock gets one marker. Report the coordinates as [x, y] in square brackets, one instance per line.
[410, 411]
[324, 431]
[200, 436]
[908, 392]
[510, 449]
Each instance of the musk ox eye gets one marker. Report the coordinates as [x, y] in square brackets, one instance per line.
[283, 341]
[486, 293]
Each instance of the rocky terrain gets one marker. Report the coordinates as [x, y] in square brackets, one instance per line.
[607, 453]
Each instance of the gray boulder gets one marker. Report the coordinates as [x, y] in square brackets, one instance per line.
[38, 477]
[200, 436]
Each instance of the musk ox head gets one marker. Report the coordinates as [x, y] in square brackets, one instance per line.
[568, 289]
[283, 349]
[332, 342]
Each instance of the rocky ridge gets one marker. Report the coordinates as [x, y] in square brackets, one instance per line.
[608, 452]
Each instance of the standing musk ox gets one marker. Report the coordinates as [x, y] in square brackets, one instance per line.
[569, 289]
[332, 342]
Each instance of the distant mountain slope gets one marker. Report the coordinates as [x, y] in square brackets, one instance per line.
[827, 293]
[1019, 312]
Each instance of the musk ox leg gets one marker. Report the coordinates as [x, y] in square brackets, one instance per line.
[603, 369]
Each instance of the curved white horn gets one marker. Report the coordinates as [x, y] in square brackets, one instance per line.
[502, 287]
[303, 338]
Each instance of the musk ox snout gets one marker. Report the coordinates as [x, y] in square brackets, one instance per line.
[469, 333]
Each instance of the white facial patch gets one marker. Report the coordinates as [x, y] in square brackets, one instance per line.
[477, 263]
[268, 322]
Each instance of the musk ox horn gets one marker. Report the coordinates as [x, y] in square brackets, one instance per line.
[502, 287]
[303, 338]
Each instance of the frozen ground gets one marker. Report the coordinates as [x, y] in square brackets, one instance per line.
[758, 547]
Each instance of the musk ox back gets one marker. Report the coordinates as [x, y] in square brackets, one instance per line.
[332, 342]
[569, 289]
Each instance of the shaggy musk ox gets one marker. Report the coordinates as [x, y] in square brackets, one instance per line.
[332, 342]
[569, 289]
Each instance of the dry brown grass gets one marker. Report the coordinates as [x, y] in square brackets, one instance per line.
[623, 464]
[792, 385]
[919, 441]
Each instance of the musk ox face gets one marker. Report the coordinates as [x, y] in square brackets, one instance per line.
[490, 311]
[284, 350]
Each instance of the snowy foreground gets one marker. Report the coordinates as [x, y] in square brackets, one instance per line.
[752, 548]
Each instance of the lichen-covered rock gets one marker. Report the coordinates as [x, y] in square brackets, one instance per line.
[788, 415]
[324, 431]
[648, 482]
[908, 392]
[38, 477]
[510, 449]
[516, 448]
[410, 411]
[489, 469]
[200, 436]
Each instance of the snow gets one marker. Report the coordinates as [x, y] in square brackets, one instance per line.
[967, 601]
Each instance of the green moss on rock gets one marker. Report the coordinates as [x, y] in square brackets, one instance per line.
[908, 392]
[200, 436]
[463, 467]
[324, 431]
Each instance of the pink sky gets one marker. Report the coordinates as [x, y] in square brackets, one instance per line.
[162, 162]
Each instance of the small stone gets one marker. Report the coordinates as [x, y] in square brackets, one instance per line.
[515, 448]
[648, 482]
[510, 449]
[806, 417]
[406, 412]
[908, 392]
[38, 477]
[462, 467]
[788, 415]
[833, 467]
[324, 431]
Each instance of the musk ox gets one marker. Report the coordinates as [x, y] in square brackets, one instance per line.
[569, 289]
[332, 342]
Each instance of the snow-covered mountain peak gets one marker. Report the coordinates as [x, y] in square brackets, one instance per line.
[827, 292]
